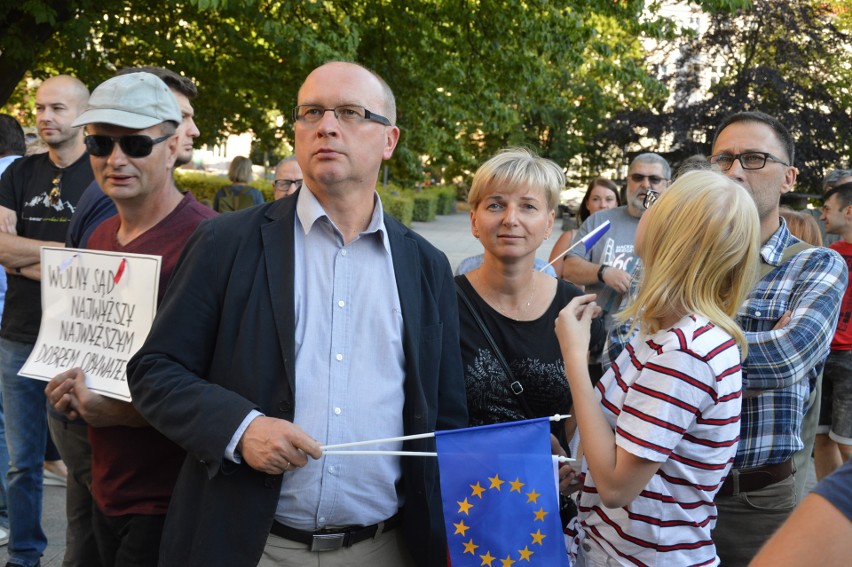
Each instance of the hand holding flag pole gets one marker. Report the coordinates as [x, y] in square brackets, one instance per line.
[588, 241]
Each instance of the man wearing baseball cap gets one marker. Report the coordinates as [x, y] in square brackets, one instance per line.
[130, 125]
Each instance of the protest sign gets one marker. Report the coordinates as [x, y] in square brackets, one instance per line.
[97, 309]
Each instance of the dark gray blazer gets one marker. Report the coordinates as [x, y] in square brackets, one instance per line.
[222, 344]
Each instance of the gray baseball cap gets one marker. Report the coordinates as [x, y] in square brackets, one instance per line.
[135, 100]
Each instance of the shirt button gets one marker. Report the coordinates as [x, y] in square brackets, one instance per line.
[332, 470]
[339, 357]
[337, 411]
[757, 313]
[322, 520]
[587, 547]
[343, 252]
[341, 303]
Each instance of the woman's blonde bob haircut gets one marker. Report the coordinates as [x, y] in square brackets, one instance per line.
[514, 168]
[700, 254]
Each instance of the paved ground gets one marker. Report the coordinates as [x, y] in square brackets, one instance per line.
[450, 233]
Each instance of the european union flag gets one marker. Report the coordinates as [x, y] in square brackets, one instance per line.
[501, 506]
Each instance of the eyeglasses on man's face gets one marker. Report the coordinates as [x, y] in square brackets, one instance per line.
[282, 185]
[650, 198]
[133, 146]
[748, 160]
[654, 180]
[345, 114]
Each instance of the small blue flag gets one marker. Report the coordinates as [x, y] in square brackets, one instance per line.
[591, 239]
[501, 506]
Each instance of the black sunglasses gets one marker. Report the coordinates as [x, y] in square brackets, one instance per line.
[653, 179]
[134, 146]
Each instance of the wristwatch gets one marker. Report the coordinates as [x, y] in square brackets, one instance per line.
[601, 271]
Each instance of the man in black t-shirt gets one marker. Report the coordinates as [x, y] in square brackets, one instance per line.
[42, 192]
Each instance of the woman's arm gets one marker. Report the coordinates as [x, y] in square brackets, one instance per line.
[619, 475]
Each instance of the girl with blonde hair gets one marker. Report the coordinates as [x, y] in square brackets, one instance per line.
[661, 431]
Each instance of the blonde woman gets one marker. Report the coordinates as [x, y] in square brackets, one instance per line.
[661, 431]
[512, 199]
[238, 195]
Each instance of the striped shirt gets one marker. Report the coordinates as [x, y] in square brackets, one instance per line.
[673, 397]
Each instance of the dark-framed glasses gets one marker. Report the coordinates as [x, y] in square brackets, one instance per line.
[285, 184]
[654, 180]
[650, 198]
[345, 114]
[134, 146]
[748, 160]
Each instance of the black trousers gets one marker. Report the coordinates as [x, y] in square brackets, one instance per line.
[128, 541]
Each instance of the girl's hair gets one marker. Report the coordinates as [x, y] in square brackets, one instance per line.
[240, 170]
[584, 213]
[802, 225]
[517, 167]
[700, 254]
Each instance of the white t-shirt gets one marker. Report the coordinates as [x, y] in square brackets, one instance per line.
[674, 398]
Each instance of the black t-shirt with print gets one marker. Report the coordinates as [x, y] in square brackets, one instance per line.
[25, 188]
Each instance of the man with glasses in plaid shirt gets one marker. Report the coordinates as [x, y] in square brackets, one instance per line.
[608, 267]
[789, 319]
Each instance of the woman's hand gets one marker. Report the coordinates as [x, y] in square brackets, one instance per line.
[568, 481]
[573, 327]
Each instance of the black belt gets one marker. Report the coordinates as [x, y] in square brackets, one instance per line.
[748, 480]
[329, 540]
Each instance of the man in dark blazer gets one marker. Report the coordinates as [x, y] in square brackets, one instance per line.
[242, 367]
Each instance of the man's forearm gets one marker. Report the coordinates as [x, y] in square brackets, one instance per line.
[580, 271]
[18, 252]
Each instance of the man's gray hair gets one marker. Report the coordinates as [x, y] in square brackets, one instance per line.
[650, 157]
[832, 178]
[285, 160]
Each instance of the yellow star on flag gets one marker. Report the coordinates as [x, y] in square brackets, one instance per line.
[508, 562]
[461, 528]
[496, 482]
[532, 496]
[538, 537]
[487, 559]
[470, 547]
[477, 490]
[539, 516]
[464, 506]
[516, 485]
[525, 553]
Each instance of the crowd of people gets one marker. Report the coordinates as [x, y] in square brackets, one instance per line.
[701, 344]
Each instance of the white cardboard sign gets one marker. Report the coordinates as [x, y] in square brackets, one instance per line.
[97, 310]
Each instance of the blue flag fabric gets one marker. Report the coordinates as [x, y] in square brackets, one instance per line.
[501, 506]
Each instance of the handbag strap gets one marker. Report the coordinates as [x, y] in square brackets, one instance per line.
[514, 385]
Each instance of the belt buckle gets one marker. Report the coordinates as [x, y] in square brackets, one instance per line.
[327, 542]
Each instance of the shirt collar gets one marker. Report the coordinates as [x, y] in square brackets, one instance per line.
[309, 211]
[773, 250]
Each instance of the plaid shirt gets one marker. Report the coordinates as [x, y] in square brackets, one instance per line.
[782, 366]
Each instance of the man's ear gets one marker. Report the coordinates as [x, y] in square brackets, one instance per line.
[790, 177]
[172, 144]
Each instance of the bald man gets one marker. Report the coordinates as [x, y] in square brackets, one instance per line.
[258, 355]
[41, 191]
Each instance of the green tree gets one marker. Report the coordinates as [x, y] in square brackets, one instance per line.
[470, 76]
[788, 59]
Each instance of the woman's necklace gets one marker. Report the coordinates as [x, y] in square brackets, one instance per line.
[518, 312]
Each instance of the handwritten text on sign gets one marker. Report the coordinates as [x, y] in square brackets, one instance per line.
[97, 309]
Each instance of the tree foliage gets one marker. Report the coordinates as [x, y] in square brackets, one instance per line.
[792, 60]
[470, 76]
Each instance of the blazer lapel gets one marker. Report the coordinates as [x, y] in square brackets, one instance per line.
[279, 256]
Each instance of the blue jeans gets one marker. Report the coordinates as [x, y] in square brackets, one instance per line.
[26, 435]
